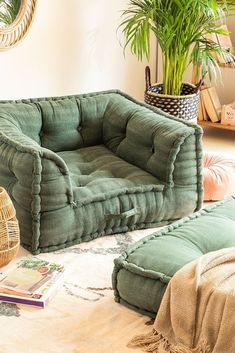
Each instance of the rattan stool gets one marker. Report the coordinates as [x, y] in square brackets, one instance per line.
[9, 229]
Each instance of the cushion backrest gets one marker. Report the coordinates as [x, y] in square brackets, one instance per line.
[92, 111]
[72, 122]
[59, 123]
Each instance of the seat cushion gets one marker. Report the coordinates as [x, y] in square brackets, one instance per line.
[96, 171]
[110, 196]
[142, 273]
[219, 176]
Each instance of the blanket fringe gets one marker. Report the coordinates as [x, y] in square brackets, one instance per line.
[155, 342]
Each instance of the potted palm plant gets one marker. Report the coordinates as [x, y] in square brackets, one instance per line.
[184, 30]
[9, 10]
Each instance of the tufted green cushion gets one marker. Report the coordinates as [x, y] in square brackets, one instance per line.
[95, 171]
[78, 167]
[142, 273]
[57, 134]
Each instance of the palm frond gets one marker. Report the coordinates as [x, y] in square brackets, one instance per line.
[9, 10]
[180, 27]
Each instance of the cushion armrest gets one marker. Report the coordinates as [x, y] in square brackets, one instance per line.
[23, 143]
[25, 161]
[37, 179]
[162, 145]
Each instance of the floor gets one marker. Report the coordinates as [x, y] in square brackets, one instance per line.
[219, 140]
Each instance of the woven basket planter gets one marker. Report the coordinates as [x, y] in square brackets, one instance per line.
[9, 229]
[184, 106]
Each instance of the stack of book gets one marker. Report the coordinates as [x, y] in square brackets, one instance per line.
[209, 105]
[31, 282]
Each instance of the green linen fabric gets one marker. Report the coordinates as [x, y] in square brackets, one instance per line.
[78, 167]
[141, 274]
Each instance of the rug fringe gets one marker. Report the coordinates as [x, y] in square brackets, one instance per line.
[155, 342]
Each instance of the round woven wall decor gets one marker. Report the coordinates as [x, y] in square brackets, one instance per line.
[9, 229]
[15, 32]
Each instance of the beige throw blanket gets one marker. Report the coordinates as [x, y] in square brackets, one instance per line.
[197, 313]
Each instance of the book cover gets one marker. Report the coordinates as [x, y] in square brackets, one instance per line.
[228, 114]
[203, 116]
[215, 101]
[31, 282]
[212, 112]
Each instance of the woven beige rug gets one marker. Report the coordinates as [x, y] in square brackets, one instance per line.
[82, 317]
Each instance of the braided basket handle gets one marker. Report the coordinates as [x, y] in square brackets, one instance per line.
[147, 78]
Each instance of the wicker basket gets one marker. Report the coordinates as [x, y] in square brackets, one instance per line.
[9, 229]
[184, 106]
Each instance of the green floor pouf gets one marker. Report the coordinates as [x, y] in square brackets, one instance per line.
[142, 273]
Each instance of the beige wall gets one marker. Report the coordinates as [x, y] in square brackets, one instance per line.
[72, 47]
[226, 88]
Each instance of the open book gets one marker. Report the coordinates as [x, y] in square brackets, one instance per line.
[31, 282]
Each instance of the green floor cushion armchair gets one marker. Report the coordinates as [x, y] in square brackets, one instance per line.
[79, 167]
[142, 273]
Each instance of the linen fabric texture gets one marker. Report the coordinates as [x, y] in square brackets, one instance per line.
[142, 273]
[78, 167]
[197, 311]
